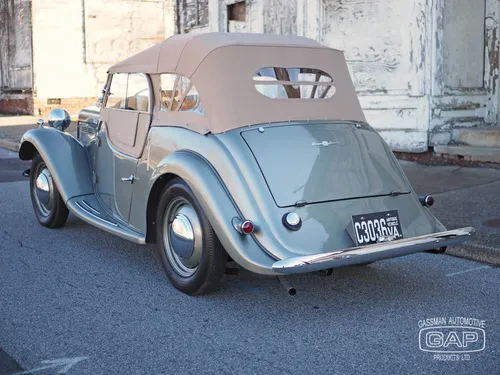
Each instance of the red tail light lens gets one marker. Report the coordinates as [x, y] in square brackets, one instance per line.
[426, 200]
[429, 200]
[247, 227]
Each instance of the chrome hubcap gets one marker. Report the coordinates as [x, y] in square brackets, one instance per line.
[44, 191]
[182, 237]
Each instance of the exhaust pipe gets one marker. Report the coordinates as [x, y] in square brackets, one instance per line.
[289, 289]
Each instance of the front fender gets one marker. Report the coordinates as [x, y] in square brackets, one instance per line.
[65, 158]
[218, 206]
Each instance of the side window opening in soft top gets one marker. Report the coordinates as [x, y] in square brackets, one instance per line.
[129, 91]
[179, 94]
[118, 91]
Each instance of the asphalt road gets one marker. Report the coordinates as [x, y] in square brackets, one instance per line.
[81, 301]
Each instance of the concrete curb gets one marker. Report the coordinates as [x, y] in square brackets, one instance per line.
[9, 144]
[478, 253]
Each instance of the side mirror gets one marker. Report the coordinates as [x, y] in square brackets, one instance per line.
[59, 119]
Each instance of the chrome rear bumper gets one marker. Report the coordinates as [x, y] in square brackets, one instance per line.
[371, 253]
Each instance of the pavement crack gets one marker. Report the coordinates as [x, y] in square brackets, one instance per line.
[26, 264]
[250, 358]
[66, 282]
[25, 246]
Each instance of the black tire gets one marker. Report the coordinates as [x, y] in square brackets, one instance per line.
[55, 213]
[206, 276]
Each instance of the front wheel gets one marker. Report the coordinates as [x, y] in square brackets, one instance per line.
[48, 205]
[192, 256]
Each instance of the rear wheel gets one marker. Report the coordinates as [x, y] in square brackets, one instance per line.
[192, 256]
[48, 205]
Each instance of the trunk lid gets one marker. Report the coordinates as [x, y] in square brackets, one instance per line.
[324, 162]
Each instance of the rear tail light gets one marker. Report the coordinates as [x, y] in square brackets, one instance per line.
[426, 200]
[247, 227]
[243, 226]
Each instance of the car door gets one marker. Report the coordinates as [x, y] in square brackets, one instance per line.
[125, 122]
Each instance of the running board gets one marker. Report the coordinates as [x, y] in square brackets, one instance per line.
[88, 208]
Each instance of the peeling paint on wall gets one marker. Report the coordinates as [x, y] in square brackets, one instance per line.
[463, 43]
[374, 50]
[280, 17]
[465, 90]
[116, 29]
[15, 46]
[194, 14]
[408, 59]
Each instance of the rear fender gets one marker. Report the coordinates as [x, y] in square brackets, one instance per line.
[218, 206]
[65, 158]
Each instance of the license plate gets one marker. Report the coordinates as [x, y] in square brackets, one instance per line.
[376, 227]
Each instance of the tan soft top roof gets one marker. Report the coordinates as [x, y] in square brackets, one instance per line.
[191, 49]
[222, 65]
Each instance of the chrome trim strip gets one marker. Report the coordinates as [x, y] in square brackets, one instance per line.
[97, 217]
[363, 254]
[90, 208]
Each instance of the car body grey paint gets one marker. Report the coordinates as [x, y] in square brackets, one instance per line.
[104, 170]
[65, 158]
[227, 181]
[349, 161]
[111, 166]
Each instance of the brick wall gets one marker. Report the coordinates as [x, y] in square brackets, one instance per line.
[42, 107]
[16, 106]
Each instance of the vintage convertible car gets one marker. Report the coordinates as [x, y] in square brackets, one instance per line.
[244, 147]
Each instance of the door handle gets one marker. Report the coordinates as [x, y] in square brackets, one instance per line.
[129, 179]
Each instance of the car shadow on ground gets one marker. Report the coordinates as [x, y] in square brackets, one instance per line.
[98, 262]
[386, 279]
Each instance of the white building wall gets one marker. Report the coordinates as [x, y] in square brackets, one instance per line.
[461, 46]
[74, 42]
[15, 46]
[15, 56]
[422, 69]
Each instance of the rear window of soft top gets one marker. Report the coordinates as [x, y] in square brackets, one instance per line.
[294, 83]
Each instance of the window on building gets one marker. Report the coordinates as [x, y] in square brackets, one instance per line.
[294, 83]
[195, 13]
[179, 94]
[236, 11]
